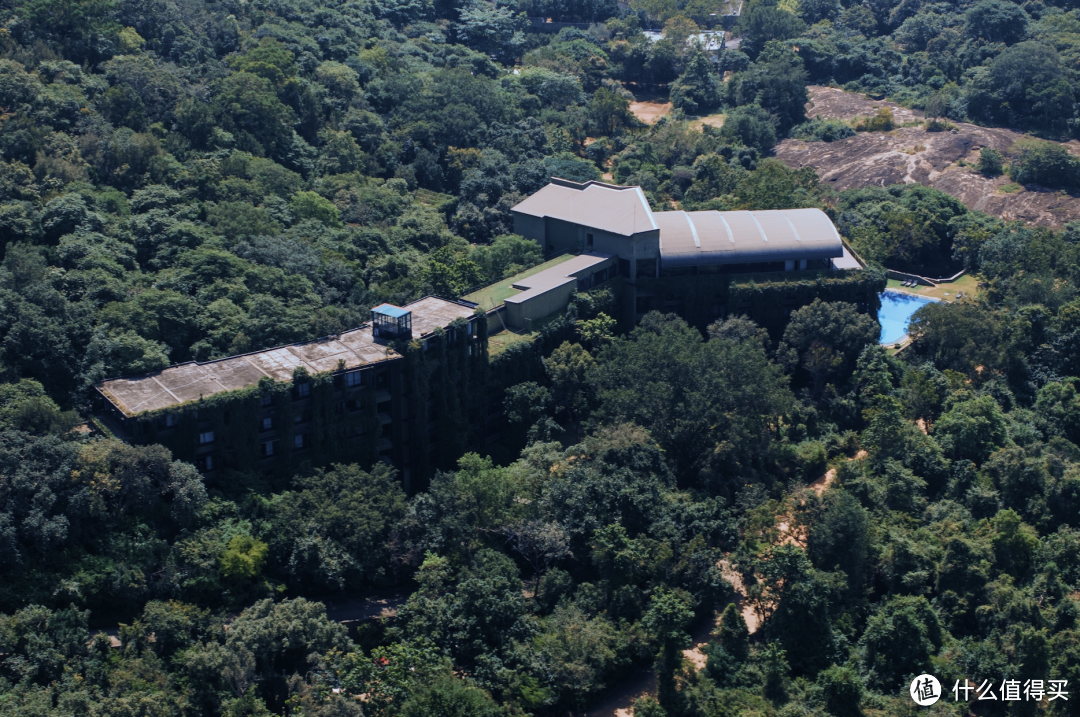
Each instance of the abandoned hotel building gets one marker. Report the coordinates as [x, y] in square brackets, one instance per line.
[405, 388]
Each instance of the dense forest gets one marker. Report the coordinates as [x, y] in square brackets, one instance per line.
[190, 179]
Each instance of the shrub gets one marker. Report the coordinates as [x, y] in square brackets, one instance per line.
[1045, 163]
[939, 125]
[883, 121]
[991, 163]
[819, 130]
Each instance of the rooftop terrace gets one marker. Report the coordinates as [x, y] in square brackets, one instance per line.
[190, 381]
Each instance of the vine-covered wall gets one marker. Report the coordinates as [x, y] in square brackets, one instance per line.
[335, 433]
[766, 299]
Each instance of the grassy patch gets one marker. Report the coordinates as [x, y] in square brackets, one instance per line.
[497, 343]
[1011, 188]
[967, 285]
[491, 296]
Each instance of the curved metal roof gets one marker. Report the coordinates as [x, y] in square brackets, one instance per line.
[743, 237]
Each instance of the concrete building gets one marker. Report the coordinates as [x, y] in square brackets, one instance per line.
[549, 291]
[656, 253]
[299, 397]
[595, 217]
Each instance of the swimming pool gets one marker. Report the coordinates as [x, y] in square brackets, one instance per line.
[895, 313]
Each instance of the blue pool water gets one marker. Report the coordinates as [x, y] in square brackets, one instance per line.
[896, 311]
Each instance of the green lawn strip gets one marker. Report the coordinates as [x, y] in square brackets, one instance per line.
[491, 296]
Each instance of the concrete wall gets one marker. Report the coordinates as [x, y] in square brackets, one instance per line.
[539, 306]
[529, 227]
[562, 236]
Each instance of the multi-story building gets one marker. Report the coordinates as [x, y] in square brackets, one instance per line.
[396, 390]
[687, 262]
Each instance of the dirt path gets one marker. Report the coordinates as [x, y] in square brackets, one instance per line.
[650, 111]
[748, 613]
[716, 121]
[620, 698]
[911, 155]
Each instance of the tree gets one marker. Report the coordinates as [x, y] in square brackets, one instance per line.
[996, 21]
[335, 527]
[567, 368]
[609, 111]
[839, 539]
[900, 639]
[451, 697]
[762, 23]
[972, 429]
[309, 205]
[777, 82]
[492, 30]
[749, 125]
[826, 339]
[667, 621]
[991, 163]
[665, 371]
[697, 90]
[243, 558]
[1046, 163]
[733, 634]
[800, 598]
[1024, 85]
[246, 103]
[843, 691]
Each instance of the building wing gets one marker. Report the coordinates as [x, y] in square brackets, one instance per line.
[745, 237]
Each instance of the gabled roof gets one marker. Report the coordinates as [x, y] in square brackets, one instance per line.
[711, 237]
[607, 207]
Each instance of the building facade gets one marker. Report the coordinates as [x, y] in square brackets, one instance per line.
[688, 262]
[401, 389]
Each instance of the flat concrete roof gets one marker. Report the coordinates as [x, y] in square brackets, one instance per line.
[743, 237]
[606, 207]
[190, 381]
[847, 261]
[556, 276]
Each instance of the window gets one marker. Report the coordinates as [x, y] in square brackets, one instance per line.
[267, 423]
[588, 240]
[382, 380]
[302, 417]
[205, 463]
[268, 448]
[354, 379]
[206, 437]
[266, 399]
[170, 420]
[300, 441]
[303, 390]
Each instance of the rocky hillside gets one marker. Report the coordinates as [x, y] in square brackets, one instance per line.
[913, 155]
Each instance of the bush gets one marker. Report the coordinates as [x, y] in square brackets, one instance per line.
[749, 125]
[939, 125]
[819, 130]
[991, 163]
[883, 121]
[1045, 163]
[843, 691]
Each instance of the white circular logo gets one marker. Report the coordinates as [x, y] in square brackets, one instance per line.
[925, 690]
